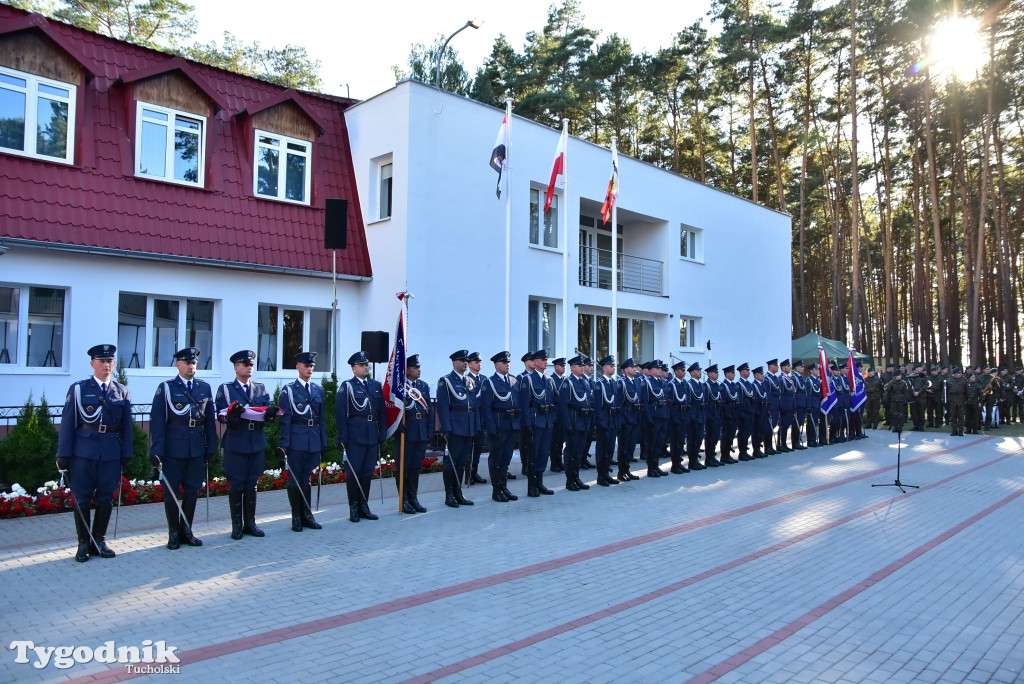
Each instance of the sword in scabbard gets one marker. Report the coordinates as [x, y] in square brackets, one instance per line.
[168, 489]
[78, 511]
[295, 478]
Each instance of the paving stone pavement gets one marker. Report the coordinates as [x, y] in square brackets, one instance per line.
[787, 569]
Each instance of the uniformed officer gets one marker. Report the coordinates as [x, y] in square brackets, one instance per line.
[457, 410]
[473, 378]
[537, 402]
[800, 382]
[900, 395]
[919, 383]
[837, 417]
[698, 406]
[712, 416]
[655, 426]
[419, 430]
[817, 435]
[773, 388]
[730, 413]
[787, 407]
[559, 376]
[1018, 393]
[747, 412]
[762, 430]
[887, 375]
[303, 437]
[576, 410]
[873, 389]
[631, 419]
[525, 434]
[360, 414]
[95, 438]
[608, 401]
[1006, 395]
[244, 406]
[183, 430]
[956, 396]
[933, 398]
[975, 400]
[588, 377]
[678, 392]
[499, 408]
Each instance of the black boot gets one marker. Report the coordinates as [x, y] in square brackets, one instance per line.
[497, 494]
[82, 527]
[413, 488]
[295, 501]
[307, 515]
[235, 506]
[403, 492]
[540, 485]
[352, 488]
[185, 531]
[580, 483]
[171, 513]
[504, 490]
[449, 488]
[249, 514]
[457, 493]
[364, 504]
[100, 521]
[531, 488]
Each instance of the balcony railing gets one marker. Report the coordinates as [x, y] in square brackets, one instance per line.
[635, 274]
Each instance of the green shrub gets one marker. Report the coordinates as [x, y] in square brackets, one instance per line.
[28, 453]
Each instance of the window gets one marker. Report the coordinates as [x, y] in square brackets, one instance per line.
[689, 329]
[287, 181]
[384, 188]
[170, 145]
[691, 243]
[32, 319]
[150, 329]
[548, 235]
[543, 326]
[37, 116]
[284, 332]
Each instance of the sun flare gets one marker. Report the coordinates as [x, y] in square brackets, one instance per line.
[956, 47]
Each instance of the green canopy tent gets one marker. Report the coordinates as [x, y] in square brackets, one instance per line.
[806, 349]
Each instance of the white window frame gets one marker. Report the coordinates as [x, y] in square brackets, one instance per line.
[536, 341]
[542, 217]
[377, 165]
[693, 327]
[693, 239]
[169, 156]
[281, 363]
[21, 351]
[208, 356]
[32, 95]
[282, 172]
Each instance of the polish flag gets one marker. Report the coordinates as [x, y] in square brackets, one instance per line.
[557, 169]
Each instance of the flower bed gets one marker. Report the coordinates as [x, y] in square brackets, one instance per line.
[56, 498]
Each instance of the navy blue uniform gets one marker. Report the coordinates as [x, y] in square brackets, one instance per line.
[359, 411]
[815, 433]
[472, 473]
[558, 431]
[537, 402]
[95, 438]
[787, 411]
[576, 411]
[419, 430]
[773, 389]
[801, 408]
[499, 408]
[244, 441]
[730, 408]
[746, 423]
[713, 421]
[608, 419]
[679, 421]
[652, 394]
[695, 433]
[632, 415]
[303, 433]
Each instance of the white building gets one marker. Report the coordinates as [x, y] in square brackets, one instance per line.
[698, 264]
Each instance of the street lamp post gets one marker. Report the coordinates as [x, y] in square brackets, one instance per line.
[472, 23]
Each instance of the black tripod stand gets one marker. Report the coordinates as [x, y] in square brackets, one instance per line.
[898, 426]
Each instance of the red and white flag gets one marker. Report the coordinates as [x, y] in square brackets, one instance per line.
[394, 381]
[499, 155]
[613, 189]
[557, 169]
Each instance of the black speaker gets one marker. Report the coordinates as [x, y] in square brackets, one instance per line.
[375, 344]
[336, 224]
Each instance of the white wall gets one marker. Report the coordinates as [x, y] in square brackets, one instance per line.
[94, 283]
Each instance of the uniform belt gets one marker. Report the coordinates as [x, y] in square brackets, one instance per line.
[464, 409]
[312, 422]
[582, 409]
[251, 425]
[191, 422]
[512, 413]
[99, 427]
[543, 408]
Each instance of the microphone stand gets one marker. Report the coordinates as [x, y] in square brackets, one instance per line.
[900, 485]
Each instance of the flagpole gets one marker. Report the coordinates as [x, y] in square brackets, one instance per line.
[401, 440]
[564, 217]
[508, 226]
[614, 327]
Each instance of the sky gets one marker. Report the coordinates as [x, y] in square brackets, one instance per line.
[358, 41]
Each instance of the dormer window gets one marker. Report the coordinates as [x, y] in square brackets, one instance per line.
[170, 145]
[282, 167]
[37, 116]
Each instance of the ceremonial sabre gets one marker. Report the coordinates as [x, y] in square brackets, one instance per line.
[283, 454]
[170, 490]
[78, 511]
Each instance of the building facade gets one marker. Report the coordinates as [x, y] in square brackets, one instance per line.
[696, 264]
[159, 203]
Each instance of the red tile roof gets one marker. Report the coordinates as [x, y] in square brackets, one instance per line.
[99, 203]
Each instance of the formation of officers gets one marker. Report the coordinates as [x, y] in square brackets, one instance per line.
[552, 418]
